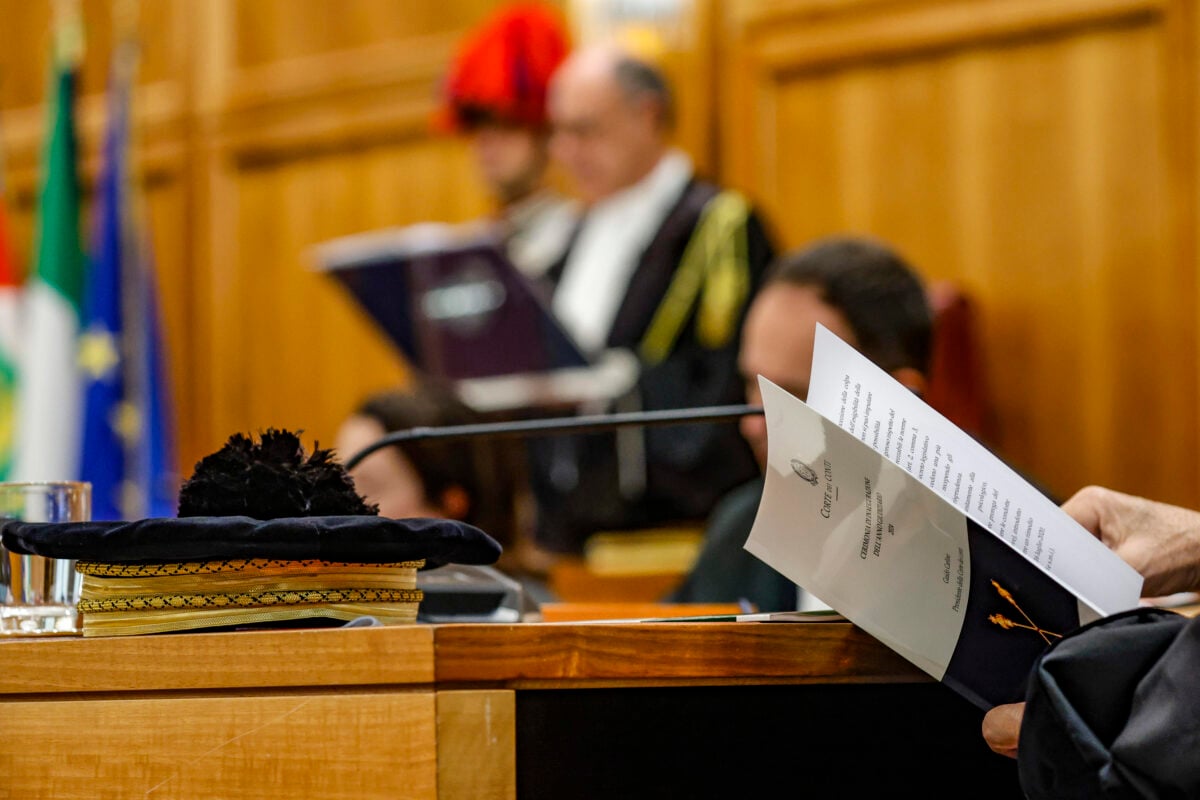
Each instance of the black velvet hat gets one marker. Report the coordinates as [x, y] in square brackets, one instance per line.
[265, 534]
[365, 539]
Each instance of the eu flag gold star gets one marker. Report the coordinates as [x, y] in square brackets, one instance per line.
[98, 355]
[127, 422]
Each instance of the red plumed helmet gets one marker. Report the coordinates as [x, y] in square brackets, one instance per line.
[501, 71]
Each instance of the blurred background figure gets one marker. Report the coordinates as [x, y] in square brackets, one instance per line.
[469, 480]
[495, 94]
[462, 480]
[873, 300]
[663, 265]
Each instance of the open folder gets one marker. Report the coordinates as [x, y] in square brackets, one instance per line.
[913, 531]
[451, 301]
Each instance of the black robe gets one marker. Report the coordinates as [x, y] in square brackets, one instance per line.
[725, 571]
[1113, 711]
[577, 481]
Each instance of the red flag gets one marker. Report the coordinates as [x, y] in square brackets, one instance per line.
[9, 274]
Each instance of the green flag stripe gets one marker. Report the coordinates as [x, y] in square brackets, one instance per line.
[60, 254]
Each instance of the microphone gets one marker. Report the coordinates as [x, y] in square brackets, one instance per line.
[559, 425]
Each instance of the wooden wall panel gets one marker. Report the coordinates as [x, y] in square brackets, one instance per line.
[1031, 154]
[263, 128]
[24, 58]
[315, 121]
[291, 336]
[274, 30]
[159, 133]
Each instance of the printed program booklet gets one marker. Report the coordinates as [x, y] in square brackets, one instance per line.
[911, 529]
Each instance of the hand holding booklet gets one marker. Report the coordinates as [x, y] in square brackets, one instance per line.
[915, 532]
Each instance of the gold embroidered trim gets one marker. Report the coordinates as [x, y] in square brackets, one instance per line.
[230, 565]
[265, 599]
[713, 277]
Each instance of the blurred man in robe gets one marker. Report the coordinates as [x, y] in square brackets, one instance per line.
[663, 264]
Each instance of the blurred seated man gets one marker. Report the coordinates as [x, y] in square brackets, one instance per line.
[663, 265]
[869, 297]
[495, 93]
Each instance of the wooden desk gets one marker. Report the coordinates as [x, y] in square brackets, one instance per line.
[723, 710]
[562, 710]
[347, 713]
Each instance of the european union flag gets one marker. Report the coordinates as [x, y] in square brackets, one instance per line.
[128, 442]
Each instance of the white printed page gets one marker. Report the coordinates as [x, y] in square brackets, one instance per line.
[849, 389]
[860, 533]
[898, 560]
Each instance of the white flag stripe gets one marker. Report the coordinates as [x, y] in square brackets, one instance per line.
[49, 394]
[10, 322]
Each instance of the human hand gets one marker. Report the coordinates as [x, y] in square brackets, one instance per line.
[1002, 728]
[1160, 541]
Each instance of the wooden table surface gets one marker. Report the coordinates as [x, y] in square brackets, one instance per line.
[516, 655]
[245, 659]
[441, 712]
[664, 653]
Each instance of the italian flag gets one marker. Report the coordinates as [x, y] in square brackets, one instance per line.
[49, 398]
[9, 335]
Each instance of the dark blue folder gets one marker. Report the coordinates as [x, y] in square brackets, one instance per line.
[453, 304]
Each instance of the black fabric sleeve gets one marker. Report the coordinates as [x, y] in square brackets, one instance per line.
[1113, 711]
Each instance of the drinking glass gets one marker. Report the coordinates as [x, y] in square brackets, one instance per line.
[38, 594]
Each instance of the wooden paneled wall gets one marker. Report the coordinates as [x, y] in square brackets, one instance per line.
[1042, 154]
[264, 126]
[159, 134]
[313, 123]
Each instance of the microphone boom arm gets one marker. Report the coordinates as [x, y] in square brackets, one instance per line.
[555, 425]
